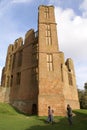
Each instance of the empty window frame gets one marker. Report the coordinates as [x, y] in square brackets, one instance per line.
[49, 62]
[35, 74]
[48, 35]
[18, 79]
[46, 12]
[11, 83]
[20, 58]
[14, 59]
[10, 62]
[70, 78]
[8, 79]
[62, 72]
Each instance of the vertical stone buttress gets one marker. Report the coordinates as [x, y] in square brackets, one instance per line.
[50, 60]
[14, 63]
[6, 76]
[69, 89]
[7, 71]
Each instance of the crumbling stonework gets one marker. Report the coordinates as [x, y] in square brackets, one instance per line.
[36, 72]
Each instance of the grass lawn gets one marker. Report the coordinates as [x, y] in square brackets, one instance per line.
[11, 120]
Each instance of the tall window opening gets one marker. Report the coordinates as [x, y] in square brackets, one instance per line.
[18, 79]
[14, 59]
[35, 74]
[19, 58]
[70, 78]
[10, 59]
[62, 72]
[11, 83]
[46, 12]
[49, 62]
[48, 35]
[8, 79]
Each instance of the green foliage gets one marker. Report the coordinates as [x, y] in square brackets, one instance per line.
[83, 98]
[85, 86]
[12, 120]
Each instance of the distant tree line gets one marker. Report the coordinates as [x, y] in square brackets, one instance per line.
[83, 97]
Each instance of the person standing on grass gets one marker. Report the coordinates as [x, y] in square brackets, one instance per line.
[69, 114]
[50, 115]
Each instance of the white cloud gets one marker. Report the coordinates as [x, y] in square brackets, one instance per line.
[57, 2]
[83, 7]
[21, 1]
[72, 37]
[71, 32]
[4, 4]
[81, 75]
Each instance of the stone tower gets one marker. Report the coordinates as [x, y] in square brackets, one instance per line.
[50, 61]
[39, 76]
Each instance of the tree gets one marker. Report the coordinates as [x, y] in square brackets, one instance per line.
[85, 86]
[83, 97]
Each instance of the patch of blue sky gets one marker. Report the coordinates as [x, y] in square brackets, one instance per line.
[65, 4]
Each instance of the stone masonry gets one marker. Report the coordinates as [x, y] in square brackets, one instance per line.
[36, 72]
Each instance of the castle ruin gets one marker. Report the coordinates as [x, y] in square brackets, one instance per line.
[36, 72]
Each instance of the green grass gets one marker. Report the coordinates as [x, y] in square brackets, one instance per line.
[12, 120]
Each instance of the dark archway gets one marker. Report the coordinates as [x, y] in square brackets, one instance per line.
[34, 109]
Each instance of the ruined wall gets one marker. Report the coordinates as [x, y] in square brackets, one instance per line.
[70, 90]
[24, 92]
[36, 74]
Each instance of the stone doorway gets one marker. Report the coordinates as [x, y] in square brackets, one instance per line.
[34, 109]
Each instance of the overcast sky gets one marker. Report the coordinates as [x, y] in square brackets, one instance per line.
[19, 16]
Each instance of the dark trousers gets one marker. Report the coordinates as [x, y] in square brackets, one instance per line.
[70, 120]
